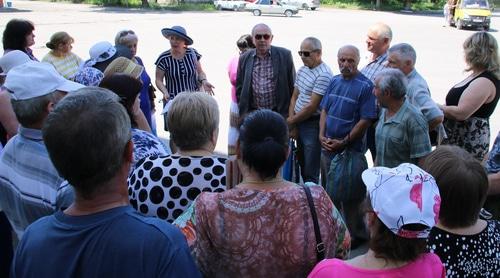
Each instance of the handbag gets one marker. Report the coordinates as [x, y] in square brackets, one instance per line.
[291, 170]
[344, 181]
[320, 245]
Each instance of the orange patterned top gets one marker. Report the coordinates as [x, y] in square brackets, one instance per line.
[261, 233]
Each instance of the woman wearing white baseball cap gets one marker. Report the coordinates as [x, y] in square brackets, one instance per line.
[402, 207]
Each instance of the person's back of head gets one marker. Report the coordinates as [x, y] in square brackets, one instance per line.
[462, 182]
[263, 142]
[193, 120]
[34, 87]
[86, 136]
[245, 42]
[127, 88]
[403, 203]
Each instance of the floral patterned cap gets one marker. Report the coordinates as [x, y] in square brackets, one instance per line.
[403, 195]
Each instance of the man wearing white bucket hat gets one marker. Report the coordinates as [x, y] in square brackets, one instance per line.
[30, 186]
[402, 206]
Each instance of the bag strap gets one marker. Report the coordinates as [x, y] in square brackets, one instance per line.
[320, 246]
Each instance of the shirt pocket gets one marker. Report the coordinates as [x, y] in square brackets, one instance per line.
[348, 108]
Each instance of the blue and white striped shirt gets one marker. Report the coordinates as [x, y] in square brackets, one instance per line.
[180, 74]
[30, 186]
[308, 81]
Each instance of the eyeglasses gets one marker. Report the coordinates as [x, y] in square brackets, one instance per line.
[265, 36]
[306, 53]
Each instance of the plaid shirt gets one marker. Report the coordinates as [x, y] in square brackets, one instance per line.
[373, 67]
[402, 138]
[263, 85]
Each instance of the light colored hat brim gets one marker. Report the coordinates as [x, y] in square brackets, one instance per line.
[171, 32]
[70, 86]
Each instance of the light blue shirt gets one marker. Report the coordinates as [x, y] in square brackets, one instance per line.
[419, 95]
[30, 186]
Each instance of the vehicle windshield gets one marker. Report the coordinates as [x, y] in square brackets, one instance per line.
[476, 4]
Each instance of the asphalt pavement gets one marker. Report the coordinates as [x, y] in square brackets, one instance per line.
[439, 49]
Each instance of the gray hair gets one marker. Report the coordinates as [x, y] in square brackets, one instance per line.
[86, 136]
[315, 43]
[392, 81]
[261, 25]
[192, 119]
[405, 52]
[351, 48]
[383, 30]
[34, 110]
[123, 37]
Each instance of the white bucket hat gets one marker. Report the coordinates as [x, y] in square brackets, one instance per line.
[403, 195]
[35, 79]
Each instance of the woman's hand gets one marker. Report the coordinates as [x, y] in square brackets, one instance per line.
[207, 87]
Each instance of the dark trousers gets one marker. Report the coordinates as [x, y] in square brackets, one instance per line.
[6, 250]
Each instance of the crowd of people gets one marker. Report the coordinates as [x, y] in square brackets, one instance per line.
[89, 190]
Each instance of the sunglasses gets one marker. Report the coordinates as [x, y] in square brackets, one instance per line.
[125, 33]
[265, 36]
[306, 53]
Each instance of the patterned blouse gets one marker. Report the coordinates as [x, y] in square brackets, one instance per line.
[468, 255]
[88, 75]
[146, 144]
[261, 233]
[165, 186]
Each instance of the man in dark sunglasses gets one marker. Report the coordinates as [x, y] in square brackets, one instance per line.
[311, 84]
[347, 110]
[257, 82]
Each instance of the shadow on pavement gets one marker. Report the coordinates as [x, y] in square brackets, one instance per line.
[14, 10]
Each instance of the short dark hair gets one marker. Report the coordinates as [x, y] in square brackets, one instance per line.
[462, 183]
[264, 142]
[389, 246]
[14, 35]
[86, 136]
[127, 88]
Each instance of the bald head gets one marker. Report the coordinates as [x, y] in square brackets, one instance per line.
[351, 50]
[348, 59]
[261, 27]
[382, 30]
[378, 39]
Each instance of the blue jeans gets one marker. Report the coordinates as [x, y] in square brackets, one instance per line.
[309, 150]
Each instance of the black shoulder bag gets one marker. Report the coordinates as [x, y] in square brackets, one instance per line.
[320, 246]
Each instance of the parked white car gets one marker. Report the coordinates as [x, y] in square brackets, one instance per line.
[230, 5]
[302, 4]
[271, 7]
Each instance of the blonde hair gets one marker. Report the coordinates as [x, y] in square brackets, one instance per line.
[481, 51]
[59, 38]
[193, 118]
